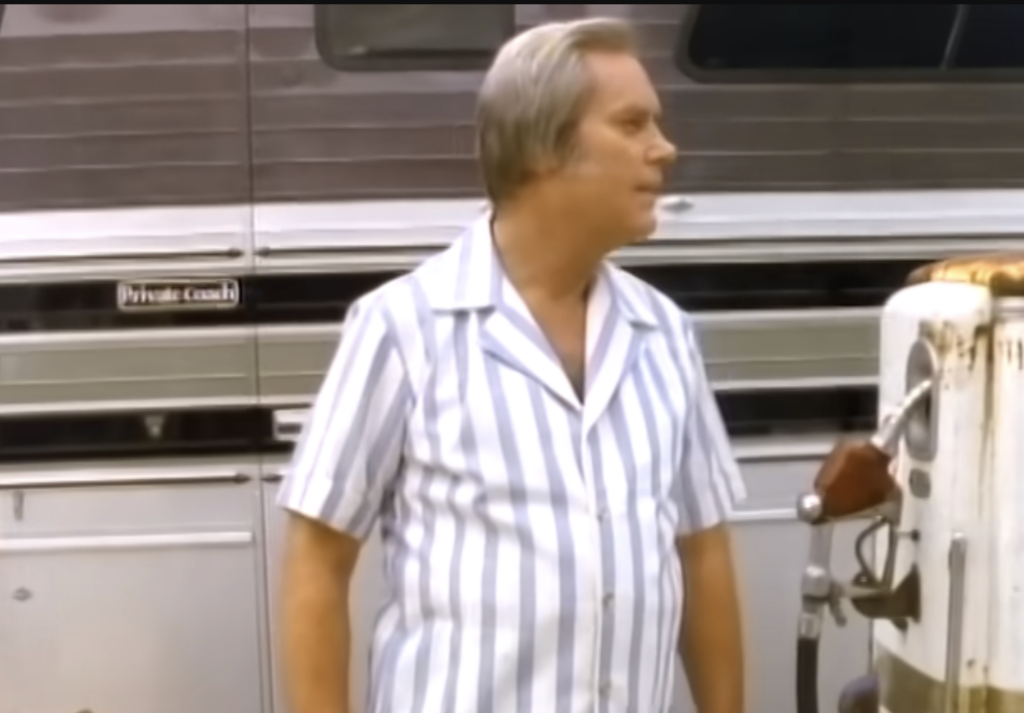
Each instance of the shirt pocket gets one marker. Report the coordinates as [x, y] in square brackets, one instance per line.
[636, 456]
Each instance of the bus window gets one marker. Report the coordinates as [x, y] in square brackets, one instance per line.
[784, 43]
[367, 38]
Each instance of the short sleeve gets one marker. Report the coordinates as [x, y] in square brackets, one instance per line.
[710, 482]
[350, 448]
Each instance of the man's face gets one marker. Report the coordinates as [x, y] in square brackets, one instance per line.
[618, 170]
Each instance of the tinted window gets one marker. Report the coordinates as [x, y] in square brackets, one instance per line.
[991, 37]
[2, 7]
[790, 412]
[823, 42]
[411, 37]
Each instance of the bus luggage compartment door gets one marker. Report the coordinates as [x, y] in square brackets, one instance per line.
[129, 588]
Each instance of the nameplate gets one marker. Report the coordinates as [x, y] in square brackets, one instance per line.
[178, 294]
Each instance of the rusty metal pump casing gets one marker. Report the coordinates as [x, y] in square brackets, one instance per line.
[1001, 273]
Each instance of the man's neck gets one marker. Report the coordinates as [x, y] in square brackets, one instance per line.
[542, 255]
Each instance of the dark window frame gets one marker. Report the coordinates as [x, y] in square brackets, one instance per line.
[248, 431]
[413, 61]
[938, 75]
[76, 437]
[2, 8]
[317, 297]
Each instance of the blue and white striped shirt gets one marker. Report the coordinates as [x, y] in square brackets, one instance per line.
[529, 538]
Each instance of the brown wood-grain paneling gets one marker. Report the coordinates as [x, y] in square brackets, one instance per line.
[120, 105]
[322, 134]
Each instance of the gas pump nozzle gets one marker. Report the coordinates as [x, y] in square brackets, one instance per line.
[854, 482]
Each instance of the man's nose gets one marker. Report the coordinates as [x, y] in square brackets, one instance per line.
[663, 152]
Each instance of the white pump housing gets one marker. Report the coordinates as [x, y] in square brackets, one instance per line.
[961, 469]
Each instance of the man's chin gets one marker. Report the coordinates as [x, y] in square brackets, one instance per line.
[638, 231]
[645, 230]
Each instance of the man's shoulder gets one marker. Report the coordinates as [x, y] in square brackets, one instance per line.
[383, 299]
[402, 302]
[671, 319]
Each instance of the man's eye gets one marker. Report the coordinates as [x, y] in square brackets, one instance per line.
[635, 124]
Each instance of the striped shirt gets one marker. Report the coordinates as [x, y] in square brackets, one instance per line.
[529, 538]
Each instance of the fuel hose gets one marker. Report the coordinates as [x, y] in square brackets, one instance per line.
[806, 674]
[816, 591]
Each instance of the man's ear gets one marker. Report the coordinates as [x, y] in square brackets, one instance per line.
[545, 166]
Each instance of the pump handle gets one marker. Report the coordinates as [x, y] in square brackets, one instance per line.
[853, 479]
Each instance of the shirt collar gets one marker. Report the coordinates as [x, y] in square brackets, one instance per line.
[470, 277]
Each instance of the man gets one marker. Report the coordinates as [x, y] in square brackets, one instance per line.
[534, 431]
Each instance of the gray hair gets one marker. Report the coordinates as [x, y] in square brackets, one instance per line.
[533, 94]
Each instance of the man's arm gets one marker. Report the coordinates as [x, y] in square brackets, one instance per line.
[316, 631]
[346, 458]
[711, 640]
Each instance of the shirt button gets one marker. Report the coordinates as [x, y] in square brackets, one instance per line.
[605, 689]
[602, 514]
[607, 599]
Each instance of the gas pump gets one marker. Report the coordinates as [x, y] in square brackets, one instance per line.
[939, 488]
